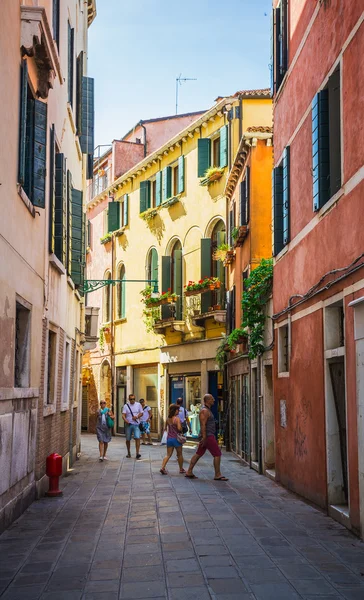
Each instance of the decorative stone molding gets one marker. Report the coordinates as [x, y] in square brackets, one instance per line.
[36, 41]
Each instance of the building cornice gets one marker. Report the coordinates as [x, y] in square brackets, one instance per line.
[169, 146]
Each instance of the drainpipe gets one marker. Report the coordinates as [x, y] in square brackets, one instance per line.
[141, 123]
[260, 407]
[113, 378]
[72, 401]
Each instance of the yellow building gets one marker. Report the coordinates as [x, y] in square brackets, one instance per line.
[166, 217]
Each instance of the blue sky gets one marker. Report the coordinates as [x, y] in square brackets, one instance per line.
[137, 48]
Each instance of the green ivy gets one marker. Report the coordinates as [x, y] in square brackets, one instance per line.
[257, 289]
[229, 343]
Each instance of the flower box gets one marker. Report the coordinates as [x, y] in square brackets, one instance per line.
[242, 233]
[229, 257]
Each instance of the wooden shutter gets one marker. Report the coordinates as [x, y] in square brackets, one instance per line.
[69, 223]
[220, 270]
[144, 196]
[158, 188]
[87, 124]
[177, 281]
[283, 58]
[77, 237]
[242, 200]
[286, 196]
[320, 149]
[89, 234]
[206, 271]
[83, 251]
[247, 194]
[224, 146]
[123, 294]
[154, 267]
[71, 45]
[113, 216]
[79, 78]
[272, 52]
[204, 156]
[23, 120]
[55, 21]
[126, 210]
[232, 309]
[277, 46]
[335, 132]
[278, 209]
[167, 183]
[60, 239]
[166, 283]
[181, 174]
[39, 154]
[52, 190]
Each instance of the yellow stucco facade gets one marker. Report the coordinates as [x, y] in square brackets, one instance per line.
[176, 358]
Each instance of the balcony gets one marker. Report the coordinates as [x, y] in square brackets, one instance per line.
[217, 314]
[240, 235]
[170, 323]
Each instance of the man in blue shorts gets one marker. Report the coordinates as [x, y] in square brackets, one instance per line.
[132, 412]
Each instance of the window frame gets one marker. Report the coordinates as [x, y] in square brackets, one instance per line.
[283, 363]
[51, 400]
[24, 306]
[66, 374]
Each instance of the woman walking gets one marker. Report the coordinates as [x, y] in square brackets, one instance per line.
[174, 435]
[103, 429]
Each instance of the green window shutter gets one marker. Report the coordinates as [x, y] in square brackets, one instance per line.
[224, 146]
[181, 174]
[278, 209]
[39, 154]
[177, 281]
[77, 237]
[126, 210]
[69, 223]
[247, 193]
[113, 217]
[89, 234]
[158, 188]
[286, 198]
[71, 47]
[220, 270]
[144, 196]
[55, 21]
[320, 149]
[83, 254]
[166, 283]
[79, 77]
[52, 191]
[87, 124]
[60, 231]
[206, 271]
[167, 183]
[154, 267]
[242, 201]
[23, 120]
[335, 132]
[122, 292]
[204, 156]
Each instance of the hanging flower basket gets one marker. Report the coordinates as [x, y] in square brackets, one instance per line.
[192, 292]
[200, 287]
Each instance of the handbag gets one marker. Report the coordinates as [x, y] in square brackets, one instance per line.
[181, 438]
[164, 438]
[184, 427]
[109, 422]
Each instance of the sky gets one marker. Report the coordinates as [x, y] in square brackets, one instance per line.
[137, 49]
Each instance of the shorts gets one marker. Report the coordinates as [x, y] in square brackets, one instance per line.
[132, 429]
[146, 427]
[211, 445]
[173, 443]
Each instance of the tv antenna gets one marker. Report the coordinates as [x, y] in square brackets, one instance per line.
[179, 80]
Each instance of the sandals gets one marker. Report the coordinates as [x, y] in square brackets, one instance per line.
[191, 476]
[182, 471]
[128, 456]
[221, 478]
[163, 472]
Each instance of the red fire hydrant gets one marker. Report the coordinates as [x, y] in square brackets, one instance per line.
[54, 471]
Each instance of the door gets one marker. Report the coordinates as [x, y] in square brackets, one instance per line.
[232, 415]
[84, 419]
[176, 389]
[245, 419]
[337, 376]
[121, 399]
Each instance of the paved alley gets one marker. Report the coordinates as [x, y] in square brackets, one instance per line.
[122, 530]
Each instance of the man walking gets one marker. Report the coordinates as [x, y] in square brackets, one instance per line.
[146, 420]
[208, 440]
[132, 412]
[183, 417]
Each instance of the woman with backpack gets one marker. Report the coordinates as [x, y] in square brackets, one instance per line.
[104, 425]
[175, 439]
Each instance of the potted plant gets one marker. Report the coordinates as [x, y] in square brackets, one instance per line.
[149, 300]
[212, 174]
[201, 286]
[106, 238]
[220, 252]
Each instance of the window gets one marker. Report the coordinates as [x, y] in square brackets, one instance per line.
[66, 374]
[326, 142]
[216, 152]
[244, 199]
[32, 142]
[218, 237]
[166, 183]
[231, 222]
[107, 304]
[212, 152]
[55, 21]
[51, 371]
[279, 45]
[172, 280]
[120, 292]
[174, 180]
[22, 344]
[71, 44]
[144, 196]
[152, 268]
[281, 202]
[283, 355]
[153, 190]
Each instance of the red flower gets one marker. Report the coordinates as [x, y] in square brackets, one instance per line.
[169, 289]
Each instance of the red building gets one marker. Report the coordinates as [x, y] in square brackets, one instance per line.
[318, 84]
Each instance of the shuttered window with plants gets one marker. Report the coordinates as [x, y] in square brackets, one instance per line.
[326, 142]
[281, 203]
[32, 143]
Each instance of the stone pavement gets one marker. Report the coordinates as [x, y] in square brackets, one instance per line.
[122, 530]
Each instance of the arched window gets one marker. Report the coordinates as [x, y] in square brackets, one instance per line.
[218, 237]
[152, 267]
[120, 294]
[107, 304]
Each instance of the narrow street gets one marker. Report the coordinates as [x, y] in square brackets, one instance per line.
[121, 530]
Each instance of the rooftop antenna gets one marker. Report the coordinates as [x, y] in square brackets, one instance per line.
[179, 80]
